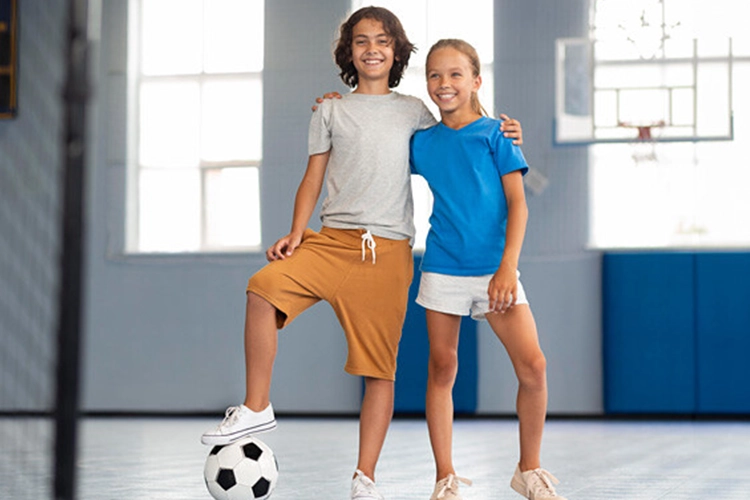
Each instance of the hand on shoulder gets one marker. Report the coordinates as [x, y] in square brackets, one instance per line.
[327, 95]
[512, 129]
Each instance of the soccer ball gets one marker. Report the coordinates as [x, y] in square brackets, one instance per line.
[243, 470]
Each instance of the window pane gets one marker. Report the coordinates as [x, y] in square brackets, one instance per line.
[487, 93]
[169, 124]
[689, 193]
[231, 120]
[234, 36]
[172, 41]
[233, 207]
[693, 194]
[473, 22]
[422, 210]
[169, 211]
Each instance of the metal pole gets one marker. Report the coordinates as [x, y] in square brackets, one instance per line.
[71, 287]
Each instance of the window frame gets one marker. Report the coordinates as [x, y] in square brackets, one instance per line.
[679, 223]
[135, 166]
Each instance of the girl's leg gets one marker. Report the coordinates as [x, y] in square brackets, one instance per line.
[442, 330]
[516, 329]
[374, 419]
[261, 343]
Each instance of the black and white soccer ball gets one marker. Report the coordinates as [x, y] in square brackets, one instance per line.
[243, 470]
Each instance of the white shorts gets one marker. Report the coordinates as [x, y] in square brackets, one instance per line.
[460, 295]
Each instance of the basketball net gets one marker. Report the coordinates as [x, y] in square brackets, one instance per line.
[644, 145]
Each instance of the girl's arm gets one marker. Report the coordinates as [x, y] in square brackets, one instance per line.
[504, 284]
[304, 205]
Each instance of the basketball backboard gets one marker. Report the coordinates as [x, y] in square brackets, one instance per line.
[686, 98]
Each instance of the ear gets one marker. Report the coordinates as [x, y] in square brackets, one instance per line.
[477, 83]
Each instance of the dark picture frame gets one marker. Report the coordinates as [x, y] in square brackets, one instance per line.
[8, 58]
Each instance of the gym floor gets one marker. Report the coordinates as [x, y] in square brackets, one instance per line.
[160, 458]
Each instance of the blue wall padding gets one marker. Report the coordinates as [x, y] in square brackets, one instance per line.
[723, 326]
[649, 334]
[677, 332]
[411, 375]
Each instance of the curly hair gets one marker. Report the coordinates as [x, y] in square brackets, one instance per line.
[402, 47]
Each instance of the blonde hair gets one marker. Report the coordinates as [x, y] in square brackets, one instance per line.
[471, 54]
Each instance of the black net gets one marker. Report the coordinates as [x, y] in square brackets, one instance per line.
[32, 166]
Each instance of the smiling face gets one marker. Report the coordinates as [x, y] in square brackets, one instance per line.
[451, 81]
[372, 52]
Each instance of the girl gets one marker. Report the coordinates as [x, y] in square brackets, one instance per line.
[471, 258]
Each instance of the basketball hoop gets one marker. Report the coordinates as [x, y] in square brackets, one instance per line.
[644, 133]
[644, 144]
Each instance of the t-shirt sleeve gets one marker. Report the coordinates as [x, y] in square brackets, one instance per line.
[319, 134]
[508, 156]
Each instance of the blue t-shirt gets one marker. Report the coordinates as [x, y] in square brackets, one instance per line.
[469, 215]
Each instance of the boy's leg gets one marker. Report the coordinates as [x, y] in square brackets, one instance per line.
[374, 419]
[274, 299]
[371, 307]
[443, 332]
[256, 415]
[261, 343]
[517, 331]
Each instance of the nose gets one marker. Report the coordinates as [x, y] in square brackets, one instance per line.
[371, 47]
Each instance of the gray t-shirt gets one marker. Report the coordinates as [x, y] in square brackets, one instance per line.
[368, 178]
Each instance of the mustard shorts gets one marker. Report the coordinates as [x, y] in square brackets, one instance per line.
[369, 298]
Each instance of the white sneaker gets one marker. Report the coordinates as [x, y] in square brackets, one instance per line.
[240, 421]
[363, 488]
[535, 484]
[447, 488]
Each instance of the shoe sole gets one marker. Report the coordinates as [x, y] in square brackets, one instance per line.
[518, 487]
[236, 436]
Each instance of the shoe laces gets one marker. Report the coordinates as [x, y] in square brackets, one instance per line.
[230, 417]
[539, 482]
[451, 485]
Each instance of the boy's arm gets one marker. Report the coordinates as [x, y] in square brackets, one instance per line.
[504, 284]
[304, 205]
[512, 129]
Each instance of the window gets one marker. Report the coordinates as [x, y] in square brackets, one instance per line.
[685, 193]
[426, 22]
[196, 147]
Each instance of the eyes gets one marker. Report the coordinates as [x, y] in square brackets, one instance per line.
[380, 42]
[436, 76]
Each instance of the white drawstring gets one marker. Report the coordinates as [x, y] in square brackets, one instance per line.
[367, 237]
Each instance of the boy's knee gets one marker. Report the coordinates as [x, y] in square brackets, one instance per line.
[260, 309]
